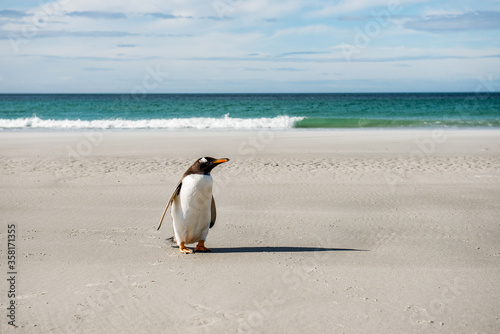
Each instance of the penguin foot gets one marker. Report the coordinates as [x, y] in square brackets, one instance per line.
[184, 250]
[201, 247]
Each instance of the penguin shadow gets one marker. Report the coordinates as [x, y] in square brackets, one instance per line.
[272, 249]
[281, 249]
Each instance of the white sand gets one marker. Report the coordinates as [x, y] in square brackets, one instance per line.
[317, 231]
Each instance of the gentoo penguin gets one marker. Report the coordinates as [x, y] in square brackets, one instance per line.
[193, 206]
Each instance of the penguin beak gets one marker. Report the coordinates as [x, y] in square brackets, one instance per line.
[219, 161]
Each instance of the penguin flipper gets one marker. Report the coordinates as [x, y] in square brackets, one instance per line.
[213, 213]
[176, 193]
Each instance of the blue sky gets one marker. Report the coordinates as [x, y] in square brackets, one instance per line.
[212, 46]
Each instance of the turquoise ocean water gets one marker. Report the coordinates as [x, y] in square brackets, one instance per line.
[248, 111]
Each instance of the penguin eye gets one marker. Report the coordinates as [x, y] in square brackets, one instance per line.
[203, 161]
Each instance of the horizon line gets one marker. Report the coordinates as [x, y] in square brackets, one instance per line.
[253, 93]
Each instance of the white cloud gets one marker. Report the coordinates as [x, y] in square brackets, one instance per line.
[441, 12]
[305, 30]
[456, 22]
[351, 6]
[270, 9]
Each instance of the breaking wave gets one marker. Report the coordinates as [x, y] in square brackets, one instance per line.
[226, 122]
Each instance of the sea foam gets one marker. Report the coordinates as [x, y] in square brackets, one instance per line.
[226, 122]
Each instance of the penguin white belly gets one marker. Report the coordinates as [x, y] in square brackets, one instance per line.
[191, 209]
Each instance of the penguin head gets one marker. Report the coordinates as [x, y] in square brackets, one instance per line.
[205, 165]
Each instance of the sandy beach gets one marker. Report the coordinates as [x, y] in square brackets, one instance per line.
[355, 231]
